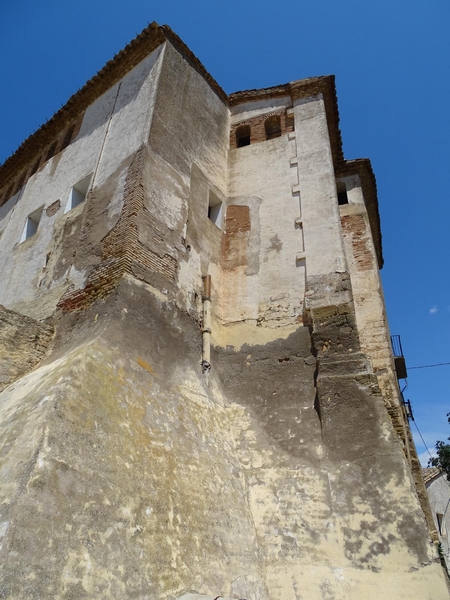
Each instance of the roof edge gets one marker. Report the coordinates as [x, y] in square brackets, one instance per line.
[153, 36]
[303, 88]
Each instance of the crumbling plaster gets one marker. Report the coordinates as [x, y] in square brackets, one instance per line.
[129, 470]
[236, 494]
[42, 267]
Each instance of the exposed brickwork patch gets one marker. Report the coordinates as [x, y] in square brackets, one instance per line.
[121, 248]
[53, 208]
[354, 226]
[258, 127]
[235, 237]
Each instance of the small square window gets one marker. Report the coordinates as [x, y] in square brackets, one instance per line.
[31, 224]
[215, 210]
[342, 193]
[243, 136]
[78, 193]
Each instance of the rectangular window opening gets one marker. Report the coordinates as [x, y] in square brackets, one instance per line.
[31, 224]
[78, 193]
[215, 210]
[342, 193]
[441, 525]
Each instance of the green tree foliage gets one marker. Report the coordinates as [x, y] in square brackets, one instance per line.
[442, 460]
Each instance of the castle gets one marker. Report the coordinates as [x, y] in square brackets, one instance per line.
[200, 397]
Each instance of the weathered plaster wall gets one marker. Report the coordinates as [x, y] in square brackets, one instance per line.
[130, 473]
[368, 295]
[370, 313]
[263, 282]
[188, 158]
[38, 271]
[118, 466]
[317, 190]
[23, 343]
[127, 474]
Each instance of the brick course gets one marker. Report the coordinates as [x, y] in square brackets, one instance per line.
[257, 127]
[121, 248]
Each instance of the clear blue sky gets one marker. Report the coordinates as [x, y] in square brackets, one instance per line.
[391, 60]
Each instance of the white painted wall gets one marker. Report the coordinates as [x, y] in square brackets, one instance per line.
[438, 491]
[317, 187]
[113, 128]
[261, 177]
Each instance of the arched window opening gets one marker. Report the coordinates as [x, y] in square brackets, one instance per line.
[243, 136]
[342, 193]
[273, 127]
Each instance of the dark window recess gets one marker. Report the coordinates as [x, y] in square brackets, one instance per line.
[243, 136]
[441, 524]
[342, 194]
[215, 209]
[273, 127]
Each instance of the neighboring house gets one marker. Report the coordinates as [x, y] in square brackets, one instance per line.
[438, 490]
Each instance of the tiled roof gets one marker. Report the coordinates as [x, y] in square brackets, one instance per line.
[430, 473]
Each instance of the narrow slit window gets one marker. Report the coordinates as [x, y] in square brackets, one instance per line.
[215, 210]
[441, 525]
[31, 224]
[78, 193]
[273, 127]
[342, 193]
[243, 136]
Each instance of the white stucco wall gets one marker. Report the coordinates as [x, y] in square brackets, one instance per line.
[438, 491]
[317, 188]
[113, 128]
[271, 286]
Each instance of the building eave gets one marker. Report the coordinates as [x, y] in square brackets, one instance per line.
[153, 36]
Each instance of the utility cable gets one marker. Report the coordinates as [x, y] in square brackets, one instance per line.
[421, 437]
[428, 366]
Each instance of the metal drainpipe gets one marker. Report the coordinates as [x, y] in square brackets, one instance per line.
[206, 331]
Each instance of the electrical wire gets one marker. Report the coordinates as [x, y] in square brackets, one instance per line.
[423, 441]
[428, 366]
